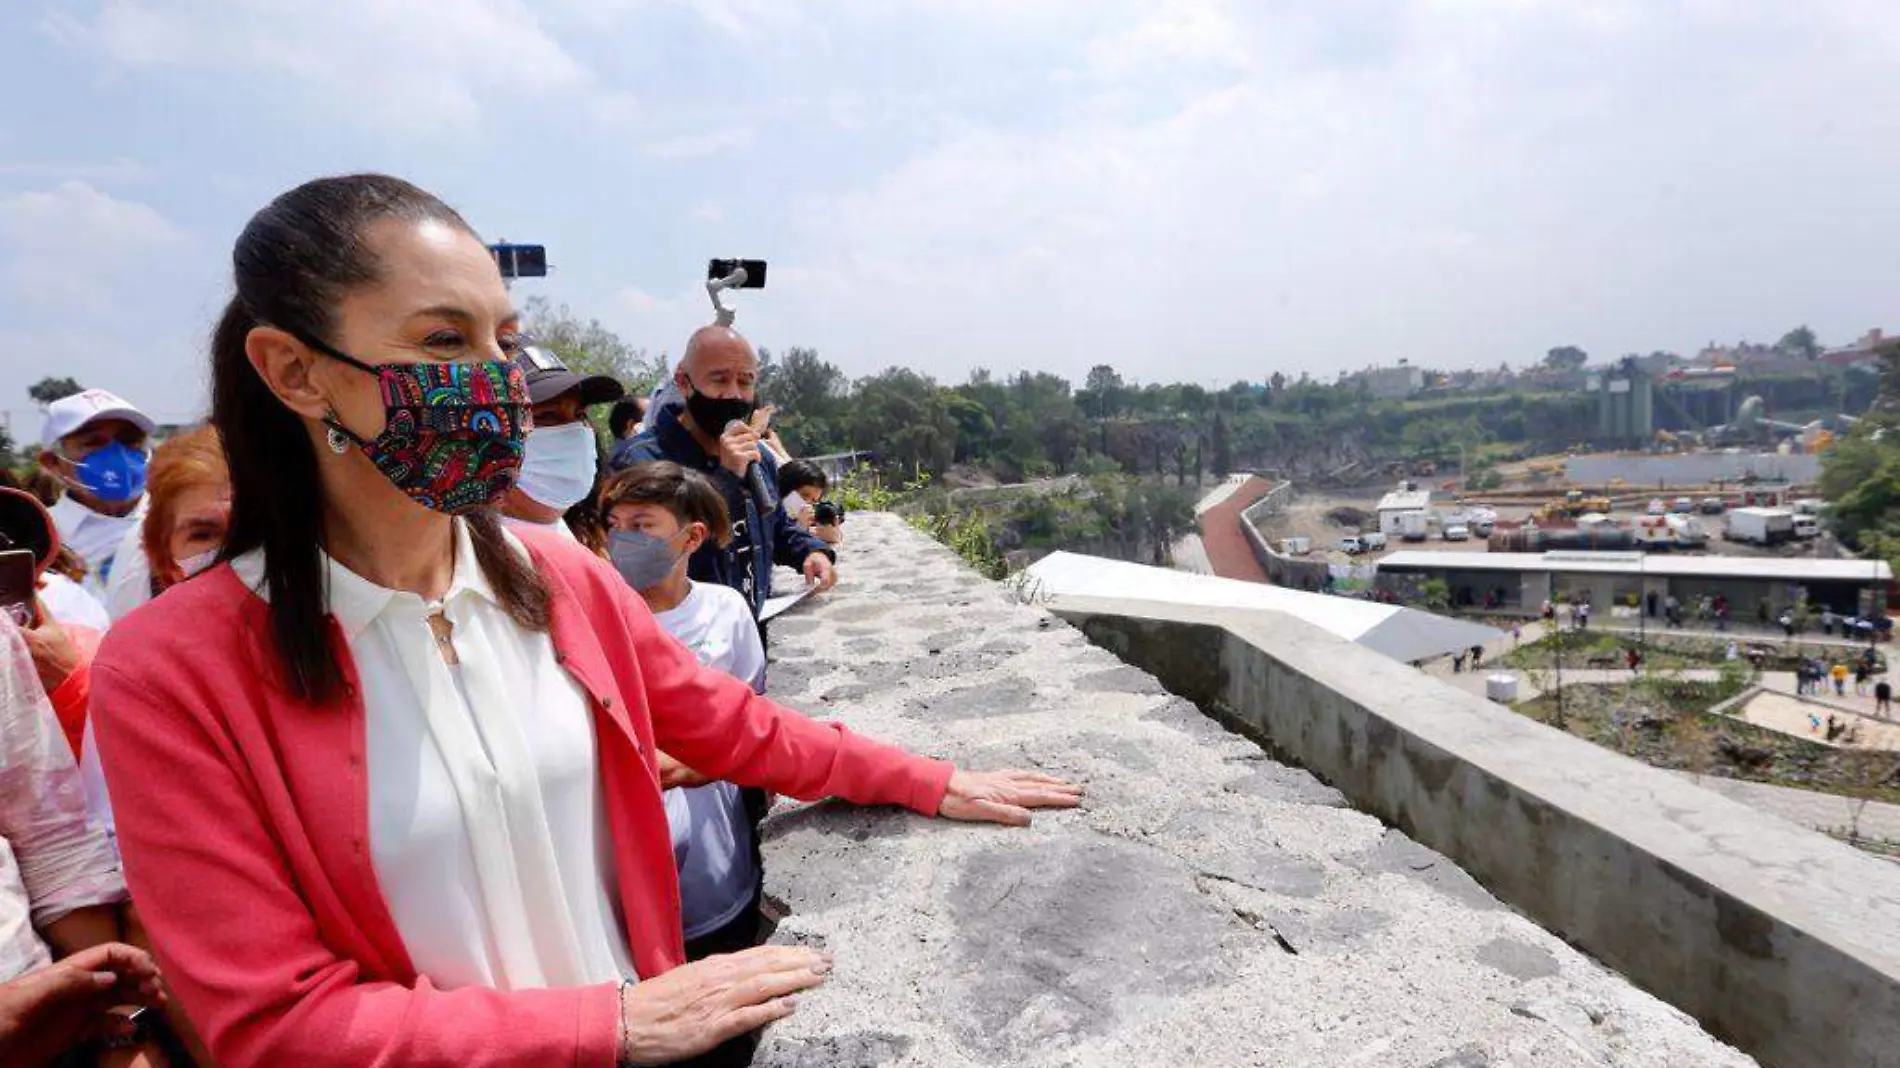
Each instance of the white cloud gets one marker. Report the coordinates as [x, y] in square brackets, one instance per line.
[101, 288]
[1178, 36]
[105, 171]
[406, 66]
[1258, 187]
[698, 145]
[66, 247]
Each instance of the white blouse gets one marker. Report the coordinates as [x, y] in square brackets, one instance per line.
[488, 828]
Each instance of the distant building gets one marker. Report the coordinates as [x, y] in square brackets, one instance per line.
[1394, 383]
[1866, 350]
[1520, 583]
[1397, 503]
[1625, 404]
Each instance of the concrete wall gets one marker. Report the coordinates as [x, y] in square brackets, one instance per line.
[1282, 570]
[1776, 938]
[1208, 906]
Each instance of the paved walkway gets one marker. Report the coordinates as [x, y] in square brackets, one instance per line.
[1784, 712]
[1809, 808]
[1190, 555]
[1227, 550]
[1749, 632]
[1221, 492]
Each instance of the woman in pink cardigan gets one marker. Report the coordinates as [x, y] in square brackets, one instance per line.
[385, 777]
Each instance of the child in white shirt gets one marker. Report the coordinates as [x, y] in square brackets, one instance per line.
[657, 514]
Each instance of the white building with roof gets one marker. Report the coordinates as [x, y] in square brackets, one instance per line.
[1397, 503]
[1520, 583]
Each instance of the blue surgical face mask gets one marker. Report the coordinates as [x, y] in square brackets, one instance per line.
[114, 473]
[642, 559]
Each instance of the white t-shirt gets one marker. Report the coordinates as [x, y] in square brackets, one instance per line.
[68, 602]
[131, 581]
[712, 836]
[94, 536]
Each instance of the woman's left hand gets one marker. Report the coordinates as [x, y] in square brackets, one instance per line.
[1005, 796]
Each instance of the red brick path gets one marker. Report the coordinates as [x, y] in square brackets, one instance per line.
[1227, 548]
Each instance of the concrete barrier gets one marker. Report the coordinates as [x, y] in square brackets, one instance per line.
[1777, 939]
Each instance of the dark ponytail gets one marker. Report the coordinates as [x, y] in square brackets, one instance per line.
[293, 264]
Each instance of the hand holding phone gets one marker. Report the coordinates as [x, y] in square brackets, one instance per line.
[17, 582]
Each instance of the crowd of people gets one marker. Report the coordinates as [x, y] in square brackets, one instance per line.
[403, 718]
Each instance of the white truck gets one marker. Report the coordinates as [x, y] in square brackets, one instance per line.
[1760, 526]
[1414, 525]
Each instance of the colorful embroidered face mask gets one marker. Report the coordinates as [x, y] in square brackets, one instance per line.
[452, 432]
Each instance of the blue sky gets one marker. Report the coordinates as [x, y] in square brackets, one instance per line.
[1186, 189]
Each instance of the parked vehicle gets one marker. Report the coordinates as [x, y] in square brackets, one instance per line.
[1656, 507]
[1457, 532]
[1352, 544]
[1713, 506]
[1372, 540]
[1806, 527]
[1414, 526]
[1296, 546]
[1760, 526]
[1682, 506]
[1809, 506]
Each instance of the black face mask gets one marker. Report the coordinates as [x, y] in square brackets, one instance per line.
[711, 414]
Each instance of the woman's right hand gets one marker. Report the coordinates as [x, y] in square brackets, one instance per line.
[695, 1007]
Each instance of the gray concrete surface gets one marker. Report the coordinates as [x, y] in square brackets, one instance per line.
[1208, 906]
[1831, 813]
[1779, 940]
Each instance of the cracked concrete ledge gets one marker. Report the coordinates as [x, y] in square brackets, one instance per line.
[1208, 905]
[1778, 940]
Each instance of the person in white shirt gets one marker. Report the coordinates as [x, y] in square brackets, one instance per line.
[94, 442]
[657, 514]
[561, 463]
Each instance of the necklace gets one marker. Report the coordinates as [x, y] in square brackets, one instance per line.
[443, 630]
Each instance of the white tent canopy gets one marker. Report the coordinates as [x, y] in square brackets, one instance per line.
[1405, 634]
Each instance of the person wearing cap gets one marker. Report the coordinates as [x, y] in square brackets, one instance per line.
[94, 442]
[562, 457]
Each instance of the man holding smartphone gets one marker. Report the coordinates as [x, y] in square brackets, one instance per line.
[713, 432]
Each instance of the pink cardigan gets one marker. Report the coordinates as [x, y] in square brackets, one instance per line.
[243, 817]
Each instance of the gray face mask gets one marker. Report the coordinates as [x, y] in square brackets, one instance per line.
[642, 559]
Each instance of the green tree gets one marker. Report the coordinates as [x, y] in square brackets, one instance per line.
[810, 395]
[49, 389]
[1223, 450]
[905, 418]
[1800, 342]
[1104, 388]
[588, 346]
[1861, 476]
[1566, 358]
[1888, 396]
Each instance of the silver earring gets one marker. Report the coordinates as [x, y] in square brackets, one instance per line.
[337, 442]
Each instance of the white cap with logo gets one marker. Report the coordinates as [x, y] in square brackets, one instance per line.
[69, 414]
